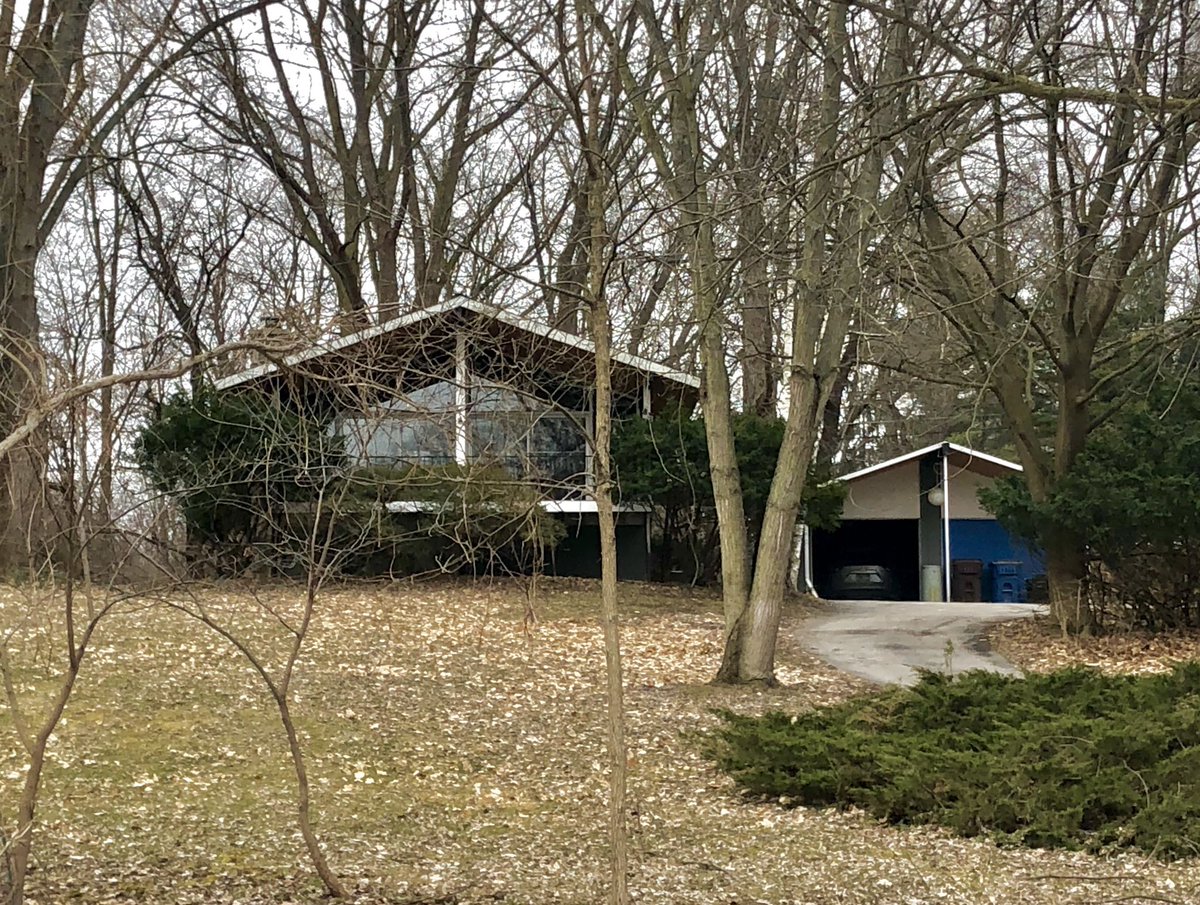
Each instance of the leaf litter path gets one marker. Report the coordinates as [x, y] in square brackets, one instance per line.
[455, 759]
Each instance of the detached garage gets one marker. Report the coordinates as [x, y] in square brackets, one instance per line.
[918, 521]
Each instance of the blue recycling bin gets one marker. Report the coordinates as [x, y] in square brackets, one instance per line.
[1006, 585]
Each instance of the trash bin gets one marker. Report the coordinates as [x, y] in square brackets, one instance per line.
[1006, 583]
[1037, 589]
[966, 580]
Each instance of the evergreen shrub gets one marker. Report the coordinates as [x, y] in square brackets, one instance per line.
[257, 484]
[1073, 759]
[663, 461]
[1133, 499]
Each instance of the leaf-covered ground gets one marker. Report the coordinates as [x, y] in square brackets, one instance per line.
[456, 758]
[1038, 645]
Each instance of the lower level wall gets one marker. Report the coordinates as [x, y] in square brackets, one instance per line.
[410, 547]
[578, 555]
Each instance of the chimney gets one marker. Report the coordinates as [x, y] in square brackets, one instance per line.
[276, 336]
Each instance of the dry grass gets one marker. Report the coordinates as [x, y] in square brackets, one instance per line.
[456, 759]
[1037, 645]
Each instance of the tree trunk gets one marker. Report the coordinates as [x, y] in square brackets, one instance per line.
[22, 470]
[332, 884]
[1066, 553]
[108, 362]
[831, 412]
[752, 56]
[776, 539]
[571, 269]
[683, 170]
[758, 379]
[618, 892]
[723, 464]
[1066, 570]
[813, 303]
[618, 844]
[22, 840]
[823, 304]
[387, 285]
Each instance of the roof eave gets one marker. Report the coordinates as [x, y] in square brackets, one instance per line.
[527, 325]
[936, 447]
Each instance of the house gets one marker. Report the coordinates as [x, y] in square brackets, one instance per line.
[463, 383]
[919, 517]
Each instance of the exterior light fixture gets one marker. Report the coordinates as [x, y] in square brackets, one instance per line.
[936, 496]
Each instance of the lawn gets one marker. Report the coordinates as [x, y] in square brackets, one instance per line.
[1038, 645]
[456, 757]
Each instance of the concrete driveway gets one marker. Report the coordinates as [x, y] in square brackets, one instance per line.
[886, 642]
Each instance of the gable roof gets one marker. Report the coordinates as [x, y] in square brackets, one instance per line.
[960, 456]
[478, 309]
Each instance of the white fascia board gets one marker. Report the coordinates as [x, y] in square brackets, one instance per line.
[571, 507]
[405, 507]
[563, 507]
[899, 460]
[242, 376]
[976, 454]
[521, 323]
[580, 506]
[963, 450]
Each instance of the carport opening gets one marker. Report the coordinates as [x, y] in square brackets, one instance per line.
[891, 543]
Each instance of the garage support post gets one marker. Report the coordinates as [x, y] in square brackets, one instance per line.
[946, 586]
[930, 530]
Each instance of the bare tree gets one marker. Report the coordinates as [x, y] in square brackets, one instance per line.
[594, 93]
[1043, 257]
[388, 175]
[839, 226]
[838, 200]
[63, 612]
[763, 77]
[315, 538]
[47, 137]
[677, 65]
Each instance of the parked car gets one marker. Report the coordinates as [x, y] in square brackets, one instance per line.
[865, 582]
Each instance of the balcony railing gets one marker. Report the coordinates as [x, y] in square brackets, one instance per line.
[558, 475]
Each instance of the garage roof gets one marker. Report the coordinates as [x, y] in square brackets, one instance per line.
[959, 456]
